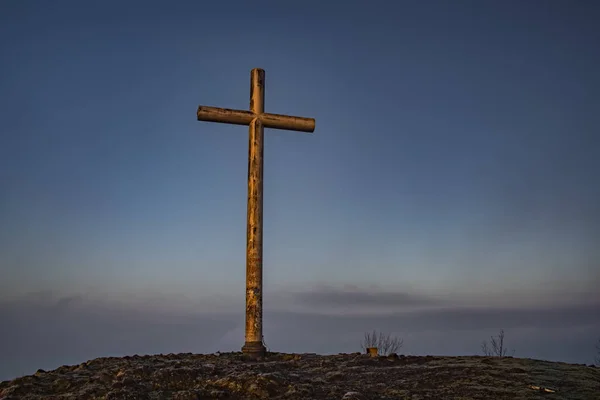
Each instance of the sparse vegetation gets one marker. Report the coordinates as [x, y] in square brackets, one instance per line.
[496, 347]
[228, 375]
[386, 344]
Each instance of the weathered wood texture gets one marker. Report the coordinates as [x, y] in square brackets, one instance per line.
[240, 117]
[257, 120]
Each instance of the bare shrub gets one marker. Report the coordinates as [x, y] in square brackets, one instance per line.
[385, 344]
[496, 348]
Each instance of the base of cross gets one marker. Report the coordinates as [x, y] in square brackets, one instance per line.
[253, 350]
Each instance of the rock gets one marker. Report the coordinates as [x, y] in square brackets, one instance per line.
[289, 357]
[334, 375]
[352, 396]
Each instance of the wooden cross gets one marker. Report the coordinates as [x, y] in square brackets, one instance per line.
[257, 120]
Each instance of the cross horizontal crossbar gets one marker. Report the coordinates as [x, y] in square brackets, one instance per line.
[240, 117]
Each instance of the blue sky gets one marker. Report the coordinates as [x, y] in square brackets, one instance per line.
[454, 160]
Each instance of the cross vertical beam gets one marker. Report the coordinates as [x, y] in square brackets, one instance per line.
[254, 228]
[257, 120]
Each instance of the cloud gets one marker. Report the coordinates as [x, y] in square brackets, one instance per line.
[70, 330]
[462, 318]
[375, 300]
[331, 297]
[47, 330]
[559, 334]
[328, 320]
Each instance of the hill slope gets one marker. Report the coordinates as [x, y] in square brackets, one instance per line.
[308, 376]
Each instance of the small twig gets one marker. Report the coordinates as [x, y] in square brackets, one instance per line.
[542, 389]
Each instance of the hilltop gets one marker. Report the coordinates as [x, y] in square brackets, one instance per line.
[308, 376]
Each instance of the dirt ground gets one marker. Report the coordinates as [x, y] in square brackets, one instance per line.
[309, 376]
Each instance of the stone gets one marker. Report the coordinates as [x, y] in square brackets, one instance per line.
[352, 396]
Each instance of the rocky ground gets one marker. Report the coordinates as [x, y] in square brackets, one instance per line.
[308, 376]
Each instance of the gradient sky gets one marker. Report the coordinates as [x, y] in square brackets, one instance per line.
[454, 165]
